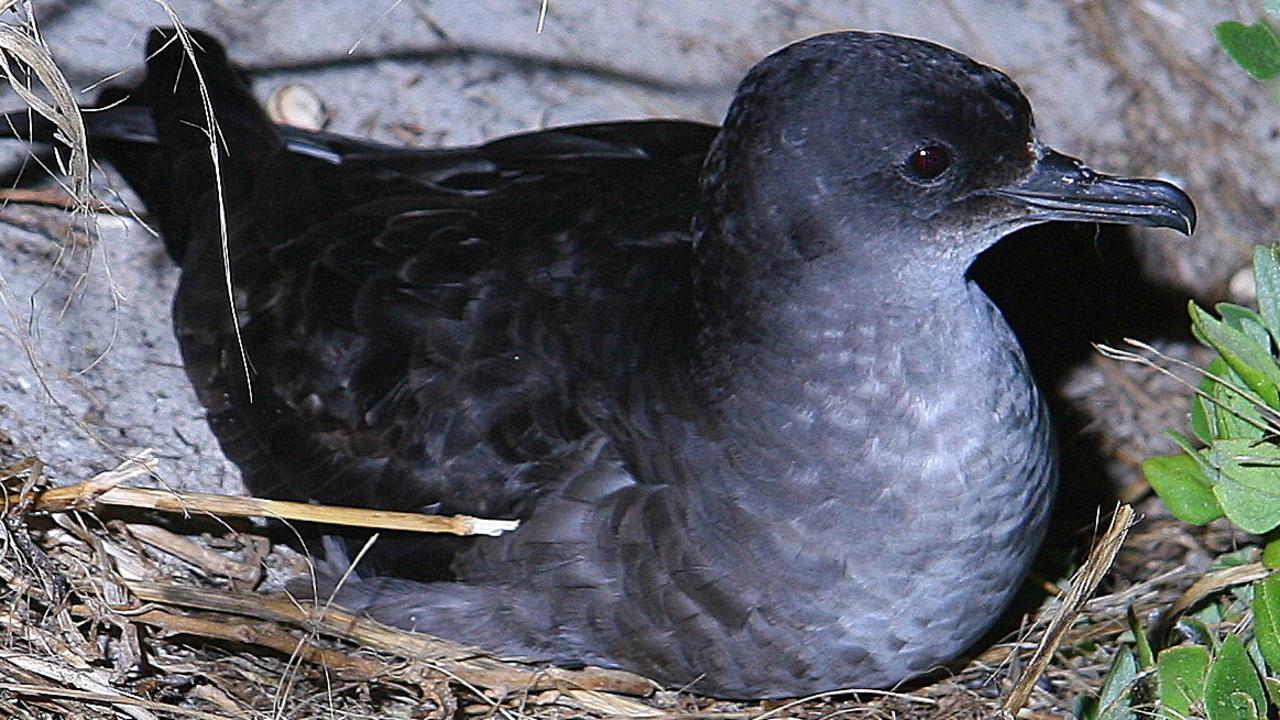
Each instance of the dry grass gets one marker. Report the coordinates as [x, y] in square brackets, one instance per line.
[119, 610]
[137, 616]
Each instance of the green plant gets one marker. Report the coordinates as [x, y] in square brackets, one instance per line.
[1255, 48]
[1235, 416]
[1231, 469]
[1231, 678]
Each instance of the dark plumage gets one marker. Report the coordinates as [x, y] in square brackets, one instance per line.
[760, 430]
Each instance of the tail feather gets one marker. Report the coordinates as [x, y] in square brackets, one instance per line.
[158, 136]
[186, 100]
[176, 91]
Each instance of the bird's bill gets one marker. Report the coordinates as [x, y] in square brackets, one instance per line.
[1063, 188]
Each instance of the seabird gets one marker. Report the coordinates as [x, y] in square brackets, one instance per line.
[764, 436]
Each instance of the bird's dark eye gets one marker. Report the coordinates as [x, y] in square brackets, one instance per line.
[929, 162]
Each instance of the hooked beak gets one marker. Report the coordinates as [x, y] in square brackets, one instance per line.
[1062, 188]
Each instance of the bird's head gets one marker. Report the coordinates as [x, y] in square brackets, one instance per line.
[874, 150]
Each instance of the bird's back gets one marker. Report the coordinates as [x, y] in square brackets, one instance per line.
[436, 330]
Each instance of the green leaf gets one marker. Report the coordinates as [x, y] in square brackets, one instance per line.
[1202, 425]
[1195, 629]
[1251, 361]
[1187, 447]
[1232, 689]
[1237, 411]
[1271, 555]
[1266, 619]
[1246, 482]
[1255, 652]
[1254, 47]
[1242, 507]
[1273, 689]
[1204, 410]
[1246, 321]
[1180, 482]
[1085, 708]
[1266, 275]
[1246, 555]
[1113, 700]
[1212, 416]
[1256, 465]
[1180, 673]
[1237, 706]
[1140, 640]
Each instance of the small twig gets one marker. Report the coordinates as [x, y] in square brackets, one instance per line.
[83, 679]
[1083, 583]
[93, 495]
[263, 634]
[470, 664]
[108, 699]
[1206, 586]
[1131, 357]
[105, 491]
[58, 198]
[210, 561]
[781, 709]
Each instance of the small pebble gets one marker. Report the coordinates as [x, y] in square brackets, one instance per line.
[299, 106]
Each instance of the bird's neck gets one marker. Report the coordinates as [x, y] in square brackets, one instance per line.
[813, 373]
[901, 411]
[787, 328]
[842, 441]
[796, 389]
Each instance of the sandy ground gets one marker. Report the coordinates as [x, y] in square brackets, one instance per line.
[88, 364]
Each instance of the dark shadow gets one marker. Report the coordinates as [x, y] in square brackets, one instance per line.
[515, 60]
[30, 171]
[1064, 287]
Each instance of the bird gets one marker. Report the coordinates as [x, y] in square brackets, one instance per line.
[763, 435]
